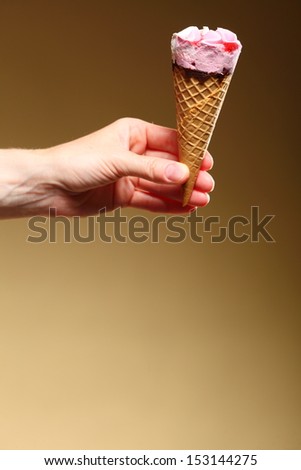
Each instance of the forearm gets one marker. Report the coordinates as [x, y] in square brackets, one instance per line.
[24, 177]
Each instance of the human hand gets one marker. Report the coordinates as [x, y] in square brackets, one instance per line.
[130, 163]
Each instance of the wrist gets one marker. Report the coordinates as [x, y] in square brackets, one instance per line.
[24, 177]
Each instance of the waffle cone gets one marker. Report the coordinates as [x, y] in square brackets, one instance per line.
[198, 104]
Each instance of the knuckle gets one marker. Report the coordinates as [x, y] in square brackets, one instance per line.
[152, 166]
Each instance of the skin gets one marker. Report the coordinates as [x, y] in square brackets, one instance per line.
[130, 163]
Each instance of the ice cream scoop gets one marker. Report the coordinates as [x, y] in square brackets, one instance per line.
[206, 50]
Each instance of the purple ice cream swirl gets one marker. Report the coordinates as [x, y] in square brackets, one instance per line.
[205, 50]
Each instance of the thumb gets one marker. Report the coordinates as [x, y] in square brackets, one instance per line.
[155, 169]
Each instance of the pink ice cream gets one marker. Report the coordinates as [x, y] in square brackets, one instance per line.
[206, 50]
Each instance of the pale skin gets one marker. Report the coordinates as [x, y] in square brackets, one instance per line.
[130, 163]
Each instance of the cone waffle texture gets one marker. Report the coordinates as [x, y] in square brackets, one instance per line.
[198, 104]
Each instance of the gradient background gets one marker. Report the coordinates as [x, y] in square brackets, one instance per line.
[152, 346]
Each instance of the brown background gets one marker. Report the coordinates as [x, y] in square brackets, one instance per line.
[152, 345]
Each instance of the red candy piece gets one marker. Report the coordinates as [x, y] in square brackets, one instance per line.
[230, 46]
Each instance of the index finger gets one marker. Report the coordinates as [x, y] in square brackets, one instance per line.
[207, 162]
[165, 139]
[161, 138]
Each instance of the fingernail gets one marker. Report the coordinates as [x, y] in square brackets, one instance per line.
[175, 173]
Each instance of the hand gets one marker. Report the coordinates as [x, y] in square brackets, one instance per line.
[129, 163]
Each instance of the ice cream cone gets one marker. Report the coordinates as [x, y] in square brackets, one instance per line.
[199, 99]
